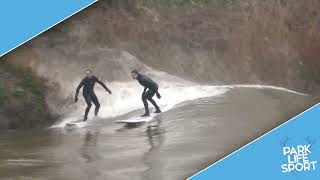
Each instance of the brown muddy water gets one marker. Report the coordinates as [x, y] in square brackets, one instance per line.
[179, 143]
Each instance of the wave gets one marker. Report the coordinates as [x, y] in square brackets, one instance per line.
[126, 96]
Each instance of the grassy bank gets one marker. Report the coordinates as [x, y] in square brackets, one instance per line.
[22, 98]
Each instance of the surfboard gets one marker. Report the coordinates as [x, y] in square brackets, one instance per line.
[138, 119]
[77, 123]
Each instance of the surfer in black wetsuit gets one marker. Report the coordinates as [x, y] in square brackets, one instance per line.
[88, 93]
[150, 89]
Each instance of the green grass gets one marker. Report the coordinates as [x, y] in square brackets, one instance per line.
[19, 93]
[28, 86]
[29, 83]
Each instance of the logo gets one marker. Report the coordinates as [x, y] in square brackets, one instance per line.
[298, 157]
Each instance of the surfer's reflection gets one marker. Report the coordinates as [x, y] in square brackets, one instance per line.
[151, 158]
[155, 134]
[89, 149]
[129, 126]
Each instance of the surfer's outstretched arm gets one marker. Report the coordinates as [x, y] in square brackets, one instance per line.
[103, 85]
[78, 89]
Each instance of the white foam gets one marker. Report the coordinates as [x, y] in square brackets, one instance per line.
[259, 86]
[126, 97]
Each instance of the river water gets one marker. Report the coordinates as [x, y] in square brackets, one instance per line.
[179, 143]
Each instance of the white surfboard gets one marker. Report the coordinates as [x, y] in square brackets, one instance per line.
[79, 123]
[138, 119]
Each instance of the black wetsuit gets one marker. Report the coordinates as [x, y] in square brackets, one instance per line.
[150, 89]
[88, 93]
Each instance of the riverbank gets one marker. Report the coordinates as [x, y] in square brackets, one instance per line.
[22, 99]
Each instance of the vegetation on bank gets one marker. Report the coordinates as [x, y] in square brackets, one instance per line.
[22, 98]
